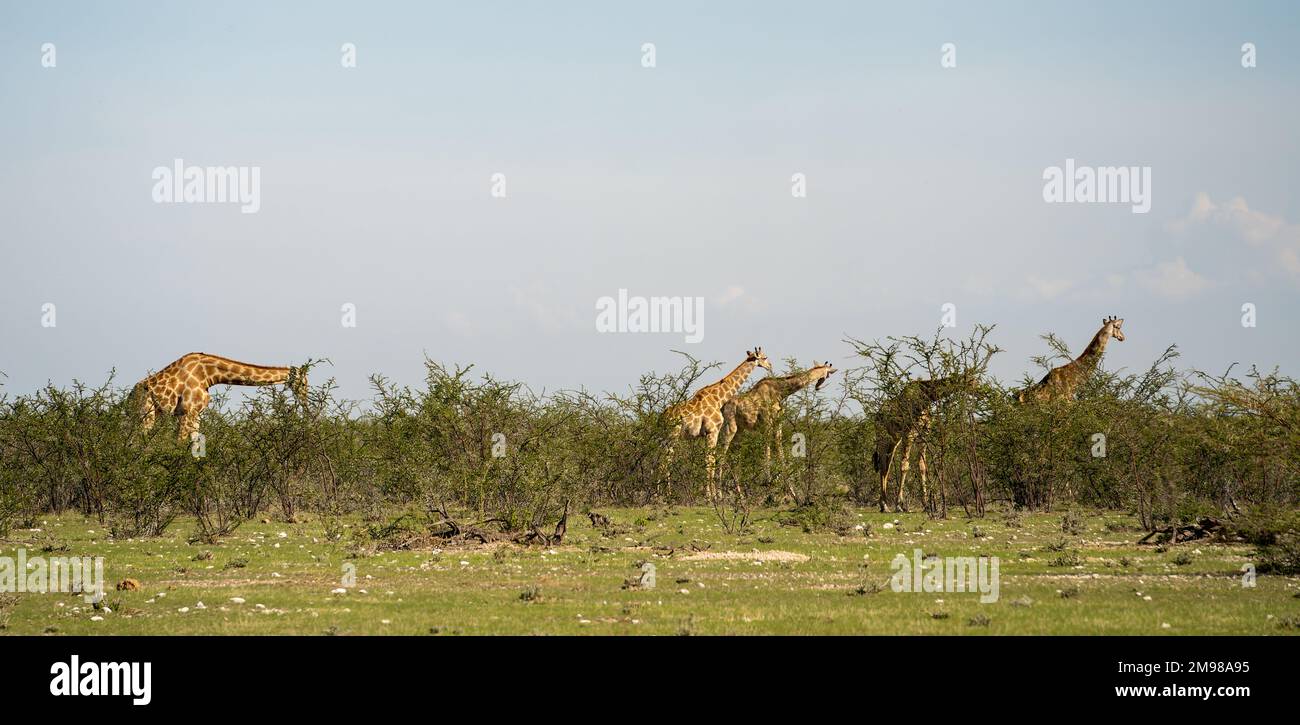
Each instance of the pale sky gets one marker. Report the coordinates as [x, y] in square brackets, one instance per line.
[924, 183]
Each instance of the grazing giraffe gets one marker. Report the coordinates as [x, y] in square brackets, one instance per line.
[1060, 382]
[899, 422]
[701, 416]
[761, 406]
[181, 388]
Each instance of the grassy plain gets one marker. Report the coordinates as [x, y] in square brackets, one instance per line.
[773, 578]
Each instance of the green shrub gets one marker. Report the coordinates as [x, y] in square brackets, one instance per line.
[1177, 448]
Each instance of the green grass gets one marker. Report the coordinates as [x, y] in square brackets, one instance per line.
[291, 569]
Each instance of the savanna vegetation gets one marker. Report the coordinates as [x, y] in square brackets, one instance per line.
[466, 458]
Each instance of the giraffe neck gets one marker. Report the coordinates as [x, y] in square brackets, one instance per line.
[728, 386]
[229, 372]
[791, 384]
[1092, 354]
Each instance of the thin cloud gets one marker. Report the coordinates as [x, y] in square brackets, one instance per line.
[731, 294]
[1257, 229]
[1048, 289]
[1173, 279]
[736, 296]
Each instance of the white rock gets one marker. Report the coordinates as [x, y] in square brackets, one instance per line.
[96, 619]
[237, 600]
[183, 610]
[340, 590]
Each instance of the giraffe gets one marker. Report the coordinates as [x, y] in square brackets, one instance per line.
[900, 421]
[181, 388]
[761, 406]
[701, 416]
[1060, 382]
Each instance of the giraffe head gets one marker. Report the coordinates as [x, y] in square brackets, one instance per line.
[1113, 325]
[759, 358]
[820, 372]
[297, 382]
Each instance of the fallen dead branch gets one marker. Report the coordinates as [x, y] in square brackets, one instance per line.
[1205, 528]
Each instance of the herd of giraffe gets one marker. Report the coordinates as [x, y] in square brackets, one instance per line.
[720, 410]
[905, 417]
[716, 411]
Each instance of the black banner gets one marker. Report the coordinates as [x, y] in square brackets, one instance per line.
[328, 673]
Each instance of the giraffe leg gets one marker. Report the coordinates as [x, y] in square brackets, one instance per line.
[729, 429]
[779, 439]
[189, 425]
[884, 475]
[764, 427]
[904, 467]
[767, 459]
[921, 469]
[710, 462]
[665, 477]
[728, 433]
[193, 406]
[148, 415]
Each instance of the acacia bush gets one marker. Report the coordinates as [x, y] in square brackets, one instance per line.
[80, 448]
[952, 433]
[1167, 446]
